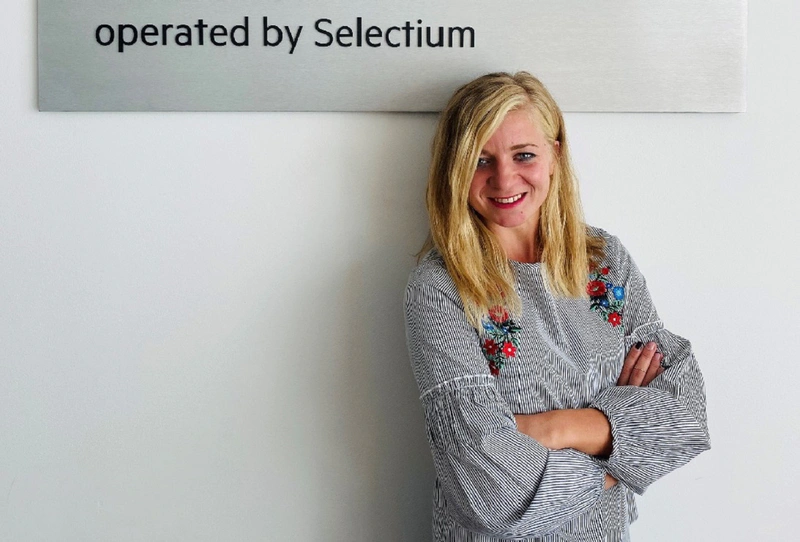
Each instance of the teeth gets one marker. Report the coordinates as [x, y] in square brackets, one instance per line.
[512, 199]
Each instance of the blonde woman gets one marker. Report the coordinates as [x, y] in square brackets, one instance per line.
[552, 391]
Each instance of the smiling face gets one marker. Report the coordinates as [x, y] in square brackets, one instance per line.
[512, 178]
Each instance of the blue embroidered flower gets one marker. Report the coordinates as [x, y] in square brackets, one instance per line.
[604, 302]
[609, 285]
[487, 325]
[619, 292]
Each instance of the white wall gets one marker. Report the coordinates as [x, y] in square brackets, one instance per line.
[200, 322]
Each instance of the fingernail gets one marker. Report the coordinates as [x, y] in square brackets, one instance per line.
[651, 346]
[638, 346]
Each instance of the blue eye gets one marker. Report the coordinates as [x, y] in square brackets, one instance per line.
[483, 162]
[525, 156]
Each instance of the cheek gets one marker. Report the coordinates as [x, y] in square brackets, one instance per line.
[475, 190]
[545, 180]
[540, 177]
[544, 188]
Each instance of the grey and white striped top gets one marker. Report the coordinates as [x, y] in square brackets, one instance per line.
[495, 483]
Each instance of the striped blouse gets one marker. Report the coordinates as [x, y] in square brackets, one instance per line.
[494, 483]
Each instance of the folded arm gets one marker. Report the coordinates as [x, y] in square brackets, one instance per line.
[497, 480]
[587, 429]
[660, 427]
[654, 420]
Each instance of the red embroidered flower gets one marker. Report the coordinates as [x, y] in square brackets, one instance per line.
[604, 270]
[502, 341]
[498, 314]
[596, 288]
[614, 319]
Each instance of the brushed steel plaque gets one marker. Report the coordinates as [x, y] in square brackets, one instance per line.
[277, 55]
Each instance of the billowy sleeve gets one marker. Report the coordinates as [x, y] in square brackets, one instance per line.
[497, 480]
[660, 427]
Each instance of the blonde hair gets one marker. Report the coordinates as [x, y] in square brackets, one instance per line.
[472, 254]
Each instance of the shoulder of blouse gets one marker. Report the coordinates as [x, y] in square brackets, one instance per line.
[431, 272]
[614, 250]
[595, 231]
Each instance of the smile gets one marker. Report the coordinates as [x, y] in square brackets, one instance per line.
[512, 199]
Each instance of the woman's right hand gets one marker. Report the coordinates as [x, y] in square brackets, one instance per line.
[641, 366]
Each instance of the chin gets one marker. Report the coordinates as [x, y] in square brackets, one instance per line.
[508, 224]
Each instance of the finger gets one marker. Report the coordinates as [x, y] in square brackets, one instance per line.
[652, 371]
[642, 364]
[627, 366]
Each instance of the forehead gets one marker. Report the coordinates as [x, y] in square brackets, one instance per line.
[517, 127]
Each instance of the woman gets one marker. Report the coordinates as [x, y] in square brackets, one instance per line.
[551, 395]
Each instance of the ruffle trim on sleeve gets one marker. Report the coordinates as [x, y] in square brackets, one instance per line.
[498, 480]
[652, 434]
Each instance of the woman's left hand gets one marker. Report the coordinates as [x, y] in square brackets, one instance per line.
[641, 366]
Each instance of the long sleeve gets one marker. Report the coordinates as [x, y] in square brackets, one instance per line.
[658, 428]
[497, 481]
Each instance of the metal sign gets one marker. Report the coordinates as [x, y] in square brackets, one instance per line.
[277, 55]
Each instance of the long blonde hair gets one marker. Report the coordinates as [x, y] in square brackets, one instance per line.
[472, 254]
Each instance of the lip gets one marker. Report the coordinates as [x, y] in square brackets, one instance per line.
[511, 205]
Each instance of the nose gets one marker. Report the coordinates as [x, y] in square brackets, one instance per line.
[503, 174]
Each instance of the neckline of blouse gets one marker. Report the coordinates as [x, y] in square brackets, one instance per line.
[525, 266]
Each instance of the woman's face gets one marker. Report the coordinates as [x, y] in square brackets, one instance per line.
[512, 176]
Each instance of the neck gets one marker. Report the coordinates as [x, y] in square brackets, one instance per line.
[519, 245]
[529, 254]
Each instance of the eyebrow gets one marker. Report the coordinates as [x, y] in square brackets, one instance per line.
[516, 147]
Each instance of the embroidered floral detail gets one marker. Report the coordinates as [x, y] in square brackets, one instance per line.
[596, 288]
[503, 339]
[498, 314]
[604, 297]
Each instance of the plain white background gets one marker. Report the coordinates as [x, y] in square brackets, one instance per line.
[201, 334]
